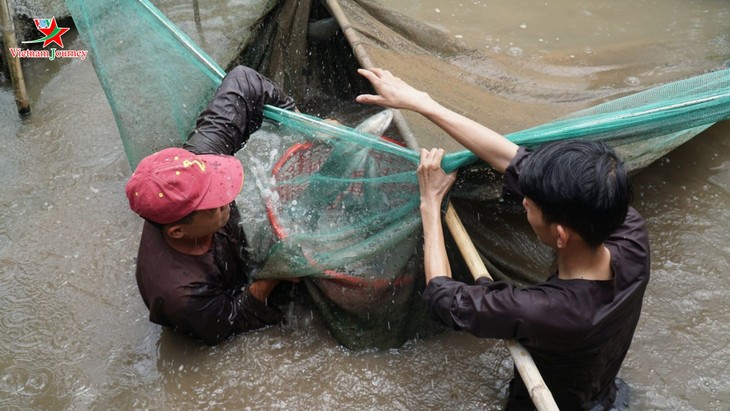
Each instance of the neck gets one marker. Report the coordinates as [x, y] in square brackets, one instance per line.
[581, 262]
[192, 246]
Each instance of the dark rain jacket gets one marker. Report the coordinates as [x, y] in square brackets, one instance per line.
[577, 331]
[207, 295]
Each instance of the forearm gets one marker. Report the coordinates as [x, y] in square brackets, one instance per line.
[487, 310]
[213, 316]
[436, 261]
[235, 112]
[487, 144]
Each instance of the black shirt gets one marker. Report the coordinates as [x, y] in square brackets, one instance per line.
[577, 331]
[207, 295]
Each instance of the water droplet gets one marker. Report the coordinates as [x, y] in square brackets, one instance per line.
[514, 51]
[632, 81]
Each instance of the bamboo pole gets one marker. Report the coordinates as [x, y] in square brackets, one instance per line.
[16, 72]
[362, 57]
[539, 392]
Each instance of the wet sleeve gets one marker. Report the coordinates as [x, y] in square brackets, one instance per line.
[235, 112]
[213, 314]
[632, 230]
[510, 184]
[630, 251]
[486, 309]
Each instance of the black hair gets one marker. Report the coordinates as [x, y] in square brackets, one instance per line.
[582, 185]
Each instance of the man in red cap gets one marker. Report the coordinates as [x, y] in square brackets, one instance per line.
[192, 265]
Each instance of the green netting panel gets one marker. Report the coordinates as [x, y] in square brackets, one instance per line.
[155, 78]
[646, 125]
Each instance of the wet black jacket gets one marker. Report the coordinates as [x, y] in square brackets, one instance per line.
[577, 331]
[206, 295]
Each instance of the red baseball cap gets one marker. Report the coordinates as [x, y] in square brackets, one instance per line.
[172, 183]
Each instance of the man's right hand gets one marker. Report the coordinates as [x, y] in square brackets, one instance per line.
[433, 182]
[261, 289]
[393, 92]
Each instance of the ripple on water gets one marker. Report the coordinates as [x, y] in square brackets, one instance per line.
[632, 81]
[27, 381]
[515, 51]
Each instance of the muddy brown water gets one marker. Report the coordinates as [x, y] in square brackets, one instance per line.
[75, 333]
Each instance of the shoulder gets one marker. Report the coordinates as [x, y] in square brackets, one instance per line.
[152, 243]
[512, 174]
[630, 242]
[158, 262]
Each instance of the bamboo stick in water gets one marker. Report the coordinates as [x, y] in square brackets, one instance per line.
[16, 72]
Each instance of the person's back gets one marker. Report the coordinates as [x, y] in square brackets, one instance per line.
[578, 325]
[580, 337]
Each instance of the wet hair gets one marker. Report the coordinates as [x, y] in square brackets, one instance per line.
[582, 185]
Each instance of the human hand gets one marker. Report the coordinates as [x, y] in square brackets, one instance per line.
[260, 289]
[433, 182]
[392, 91]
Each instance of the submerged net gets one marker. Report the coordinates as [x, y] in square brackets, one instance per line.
[339, 206]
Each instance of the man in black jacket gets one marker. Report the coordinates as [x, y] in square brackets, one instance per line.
[192, 265]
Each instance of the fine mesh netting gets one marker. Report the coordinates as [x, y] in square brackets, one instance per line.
[338, 206]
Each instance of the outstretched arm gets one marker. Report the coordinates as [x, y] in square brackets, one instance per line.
[235, 112]
[393, 92]
[433, 184]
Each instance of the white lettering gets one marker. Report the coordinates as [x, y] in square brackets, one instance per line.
[50, 54]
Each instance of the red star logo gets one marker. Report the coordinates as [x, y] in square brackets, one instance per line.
[52, 33]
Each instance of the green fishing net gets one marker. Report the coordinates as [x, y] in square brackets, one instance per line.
[334, 205]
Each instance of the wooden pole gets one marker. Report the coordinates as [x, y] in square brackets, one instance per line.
[524, 363]
[362, 57]
[14, 68]
[539, 392]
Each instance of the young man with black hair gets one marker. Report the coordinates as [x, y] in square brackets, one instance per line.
[193, 270]
[577, 325]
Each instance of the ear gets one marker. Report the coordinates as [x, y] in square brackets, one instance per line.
[563, 236]
[174, 231]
